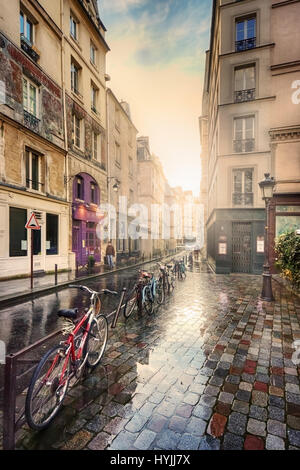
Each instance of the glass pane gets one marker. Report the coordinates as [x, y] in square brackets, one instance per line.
[251, 28]
[21, 23]
[249, 78]
[37, 242]
[29, 31]
[25, 94]
[27, 168]
[238, 182]
[240, 28]
[32, 108]
[17, 232]
[249, 131]
[52, 234]
[288, 209]
[248, 181]
[286, 224]
[239, 79]
[238, 125]
[35, 172]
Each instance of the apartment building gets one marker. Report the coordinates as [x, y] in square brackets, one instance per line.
[122, 171]
[284, 131]
[32, 145]
[238, 102]
[151, 193]
[250, 126]
[84, 59]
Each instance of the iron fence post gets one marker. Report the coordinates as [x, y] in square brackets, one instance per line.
[9, 403]
[55, 275]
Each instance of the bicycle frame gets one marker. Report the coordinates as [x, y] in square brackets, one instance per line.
[152, 288]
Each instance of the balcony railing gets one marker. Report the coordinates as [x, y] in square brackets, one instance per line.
[27, 47]
[32, 184]
[245, 145]
[31, 121]
[244, 95]
[245, 44]
[242, 199]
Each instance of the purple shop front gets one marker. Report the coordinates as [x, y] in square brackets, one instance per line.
[86, 199]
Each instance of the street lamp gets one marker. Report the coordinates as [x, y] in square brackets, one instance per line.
[115, 186]
[267, 188]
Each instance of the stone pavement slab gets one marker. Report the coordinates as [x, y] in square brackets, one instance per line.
[211, 369]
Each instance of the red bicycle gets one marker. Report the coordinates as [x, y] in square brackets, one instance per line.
[85, 345]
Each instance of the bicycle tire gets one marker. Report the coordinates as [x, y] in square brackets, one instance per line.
[51, 385]
[160, 292]
[148, 303]
[132, 297]
[96, 335]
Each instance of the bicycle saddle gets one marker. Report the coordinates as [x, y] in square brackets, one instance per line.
[68, 313]
[144, 274]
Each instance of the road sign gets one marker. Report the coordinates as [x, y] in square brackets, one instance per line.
[32, 223]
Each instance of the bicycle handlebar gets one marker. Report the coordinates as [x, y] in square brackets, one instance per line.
[87, 289]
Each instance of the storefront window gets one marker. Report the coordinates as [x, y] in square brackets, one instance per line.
[17, 232]
[287, 224]
[52, 234]
[37, 246]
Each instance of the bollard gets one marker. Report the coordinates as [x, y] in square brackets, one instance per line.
[55, 274]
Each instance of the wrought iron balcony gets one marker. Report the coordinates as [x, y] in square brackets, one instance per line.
[27, 47]
[31, 121]
[244, 145]
[245, 44]
[244, 95]
[242, 199]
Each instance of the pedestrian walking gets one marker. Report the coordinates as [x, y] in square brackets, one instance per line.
[110, 253]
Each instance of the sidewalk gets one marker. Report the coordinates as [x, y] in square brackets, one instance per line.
[16, 290]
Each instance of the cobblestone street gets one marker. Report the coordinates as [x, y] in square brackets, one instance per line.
[211, 369]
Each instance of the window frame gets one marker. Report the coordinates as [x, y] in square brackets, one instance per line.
[75, 72]
[27, 19]
[94, 98]
[244, 19]
[57, 244]
[12, 231]
[96, 136]
[243, 170]
[81, 131]
[28, 170]
[244, 139]
[37, 89]
[74, 21]
[93, 48]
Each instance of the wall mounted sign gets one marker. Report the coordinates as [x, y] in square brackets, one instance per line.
[260, 245]
[222, 248]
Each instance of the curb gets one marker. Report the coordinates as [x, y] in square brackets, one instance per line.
[20, 297]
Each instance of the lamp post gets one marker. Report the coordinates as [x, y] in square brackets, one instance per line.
[267, 188]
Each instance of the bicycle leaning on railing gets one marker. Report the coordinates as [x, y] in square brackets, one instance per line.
[84, 346]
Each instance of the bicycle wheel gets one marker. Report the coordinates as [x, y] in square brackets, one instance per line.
[148, 303]
[47, 388]
[96, 341]
[160, 292]
[131, 303]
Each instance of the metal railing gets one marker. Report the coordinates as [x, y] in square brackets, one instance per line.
[244, 95]
[245, 44]
[31, 121]
[244, 145]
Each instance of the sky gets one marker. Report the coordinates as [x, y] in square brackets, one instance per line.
[156, 64]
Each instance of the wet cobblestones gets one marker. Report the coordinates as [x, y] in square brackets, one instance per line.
[211, 369]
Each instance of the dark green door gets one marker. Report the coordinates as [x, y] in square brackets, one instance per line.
[241, 247]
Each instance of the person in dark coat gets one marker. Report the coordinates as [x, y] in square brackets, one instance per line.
[110, 253]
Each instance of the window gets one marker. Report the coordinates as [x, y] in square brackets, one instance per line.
[17, 232]
[245, 33]
[77, 131]
[117, 118]
[242, 187]
[79, 188]
[94, 96]
[26, 28]
[96, 144]
[118, 153]
[93, 52]
[75, 70]
[33, 167]
[130, 166]
[94, 193]
[30, 97]
[244, 83]
[51, 234]
[287, 219]
[244, 134]
[73, 27]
